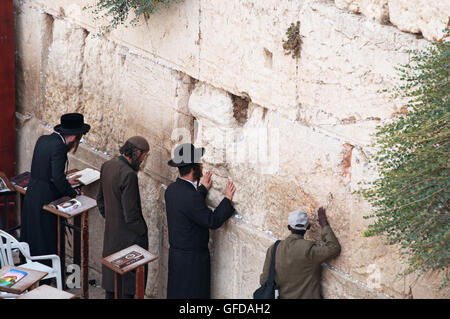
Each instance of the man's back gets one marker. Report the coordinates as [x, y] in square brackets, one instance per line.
[119, 202]
[298, 264]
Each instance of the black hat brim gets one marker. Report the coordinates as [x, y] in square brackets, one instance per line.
[181, 164]
[81, 130]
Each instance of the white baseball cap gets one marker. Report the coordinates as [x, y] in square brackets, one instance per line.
[298, 220]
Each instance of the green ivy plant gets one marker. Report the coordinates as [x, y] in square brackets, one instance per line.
[411, 195]
[117, 11]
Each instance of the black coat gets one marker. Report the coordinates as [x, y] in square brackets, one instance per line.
[119, 201]
[189, 221]
[48, 182]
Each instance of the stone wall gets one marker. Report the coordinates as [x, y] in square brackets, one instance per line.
[291, 133]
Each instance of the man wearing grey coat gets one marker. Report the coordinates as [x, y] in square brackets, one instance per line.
[119, 203]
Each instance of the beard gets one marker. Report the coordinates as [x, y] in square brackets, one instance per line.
[73, 146]
[197, 173]
[136, 164]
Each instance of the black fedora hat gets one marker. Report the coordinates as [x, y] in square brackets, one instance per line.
[72, 123]
[186, 154]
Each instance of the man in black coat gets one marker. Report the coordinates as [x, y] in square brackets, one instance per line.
[119, 202]
[48, 182]
[189, 220]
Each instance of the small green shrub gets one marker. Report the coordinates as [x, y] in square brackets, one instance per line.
[117, 11]
[411, 195]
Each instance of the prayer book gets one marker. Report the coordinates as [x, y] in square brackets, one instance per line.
[3, 186]
[88, 175]
[128, 259]
[21, 180]
[11, 277]
[65, 204]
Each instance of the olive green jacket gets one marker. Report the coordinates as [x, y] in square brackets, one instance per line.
[298, 264]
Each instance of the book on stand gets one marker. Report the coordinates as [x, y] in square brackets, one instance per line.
[12, 277]
[3, 186]
[127, 260]
[21, 180]
[88, 176]
[65, 204]
[68, 207]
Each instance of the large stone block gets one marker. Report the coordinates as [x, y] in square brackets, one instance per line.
[346, 62]
[418, 16]
[429, 17]
[258, 67]
[374, 9]
[33, 35]
[212, 104]
[64, 71]
[237, 259]
[102, 93]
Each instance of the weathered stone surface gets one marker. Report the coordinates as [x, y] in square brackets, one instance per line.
[33, 35]
[212, 104]
[339, 285]
[290, 133]
[374, 9]
[237, 259]
[429, 17]
[257, 67]
[346, 61]
[63, 86]
[102, 93]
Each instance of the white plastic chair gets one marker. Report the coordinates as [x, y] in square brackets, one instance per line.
[8, 243]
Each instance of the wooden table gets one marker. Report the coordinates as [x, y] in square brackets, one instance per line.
[87, 204]
[5, 196]
[138, 265]
[30, 281]
[47, 292]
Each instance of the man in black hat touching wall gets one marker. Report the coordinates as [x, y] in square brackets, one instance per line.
[48, 182]
[189, 220]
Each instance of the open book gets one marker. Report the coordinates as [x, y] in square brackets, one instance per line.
[65, 204]
[21, 180]
[3, 187]
[11, 277]
[88, 175]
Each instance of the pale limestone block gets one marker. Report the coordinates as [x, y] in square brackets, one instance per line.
[33, 35]
[429, 17]
[346, 61]
[72, 10]
[339, 285]
[102, 94]
[377, 10]
[152, 208]
[64, 71]
[350, 5]
[241, 50]
[214, 105]
[372, 9]
[149, 96]
[237, 258]
[171, 35]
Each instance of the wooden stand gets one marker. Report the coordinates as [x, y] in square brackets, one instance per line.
[47, 292]
[81, 218]
[5, 196]
[138, 265]
[30, 281]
